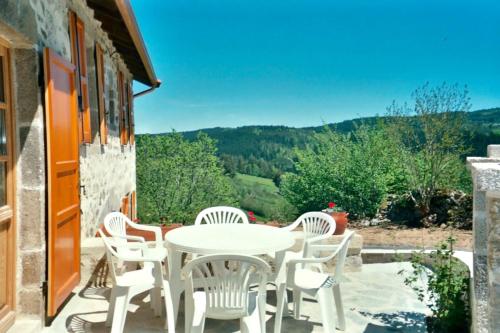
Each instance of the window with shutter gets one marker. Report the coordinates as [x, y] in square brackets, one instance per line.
[131, 123]
[125, 207]
[79, 59]
[103, 123]
[123, 92]
[133, 205]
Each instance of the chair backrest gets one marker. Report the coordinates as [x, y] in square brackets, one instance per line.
[315, 224]
[116, 223]
[226, 280]
[221, 215]
[342, 254]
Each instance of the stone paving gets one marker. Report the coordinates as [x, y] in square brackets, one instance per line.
[375, 300]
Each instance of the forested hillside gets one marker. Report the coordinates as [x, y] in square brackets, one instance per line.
[267, 151]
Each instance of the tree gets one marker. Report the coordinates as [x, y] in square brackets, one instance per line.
[355, 170]
[176, 178]
[431, 137]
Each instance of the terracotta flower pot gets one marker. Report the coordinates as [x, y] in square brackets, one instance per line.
[341, 219]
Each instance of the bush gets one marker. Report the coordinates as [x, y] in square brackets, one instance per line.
[447, 287]
[354, 170]
[176, 178]
[432, 139]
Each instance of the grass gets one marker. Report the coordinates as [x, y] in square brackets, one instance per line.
[261, 196]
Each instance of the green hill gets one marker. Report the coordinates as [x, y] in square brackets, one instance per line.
[267, 151]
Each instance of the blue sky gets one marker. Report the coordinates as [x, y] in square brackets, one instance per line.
[300, 63]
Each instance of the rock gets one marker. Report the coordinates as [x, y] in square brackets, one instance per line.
[443, 226]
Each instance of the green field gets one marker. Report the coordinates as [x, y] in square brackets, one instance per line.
[261, 196]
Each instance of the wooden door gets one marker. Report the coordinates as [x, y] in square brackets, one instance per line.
[63, 179]
[7, 227]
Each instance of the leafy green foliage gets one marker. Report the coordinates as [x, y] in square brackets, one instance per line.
[431, 137]
[176, 178]
[354, 170]
[447, 287]
[261, 196]
[267, 151]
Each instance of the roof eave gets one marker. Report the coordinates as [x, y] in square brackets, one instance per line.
[130, 21]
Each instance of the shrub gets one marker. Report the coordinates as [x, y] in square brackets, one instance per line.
[354, 170]
[432, 139]
[176, 178]
[447, 288]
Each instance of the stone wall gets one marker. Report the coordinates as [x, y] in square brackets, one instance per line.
[107, 172]
[486, 219]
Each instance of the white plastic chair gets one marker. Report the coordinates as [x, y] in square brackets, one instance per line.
[221, 215]
[217, 286]
[116, 224]
[131, 283]
[316, 226]
[319, 284]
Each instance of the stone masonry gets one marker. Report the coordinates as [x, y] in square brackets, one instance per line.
[486, 219]
[107, 172]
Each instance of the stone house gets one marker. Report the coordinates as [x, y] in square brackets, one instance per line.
[67, 154]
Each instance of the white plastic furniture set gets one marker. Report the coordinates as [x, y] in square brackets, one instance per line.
[220, 281]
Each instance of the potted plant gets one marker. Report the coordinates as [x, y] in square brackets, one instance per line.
[251, 217]
[340, 216]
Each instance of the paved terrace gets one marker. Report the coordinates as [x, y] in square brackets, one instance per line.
[375, 301]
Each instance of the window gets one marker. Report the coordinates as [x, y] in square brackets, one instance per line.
[133, 206]
[123, 96]
[125, 206]
[131, 123]
[79, 59]
[103, 123]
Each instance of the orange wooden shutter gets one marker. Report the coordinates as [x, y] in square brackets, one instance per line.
[131, 123]
[61, 111]
[79, 58]
[103, 124]
[133, 205]
[123, 97]
[125, 206]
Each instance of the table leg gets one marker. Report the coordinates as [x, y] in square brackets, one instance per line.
[280, 290]
[174, 270]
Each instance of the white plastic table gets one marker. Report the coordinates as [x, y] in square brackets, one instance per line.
[245, 239]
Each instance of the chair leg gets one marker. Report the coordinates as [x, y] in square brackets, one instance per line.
[325, 299]
[194, 314]
[157, 304]
[120, 312]
[262, 312]
[278, 319]
[251, 323]
[297, 302]
[111, 308]
[152, 299]
[169, 309]
[340, 307]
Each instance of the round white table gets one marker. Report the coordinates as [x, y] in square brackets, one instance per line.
[245, 239]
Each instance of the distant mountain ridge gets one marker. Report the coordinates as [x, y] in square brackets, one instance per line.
[267, 151]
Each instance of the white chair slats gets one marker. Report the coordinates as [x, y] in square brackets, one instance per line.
[218, 287]
[221, 215]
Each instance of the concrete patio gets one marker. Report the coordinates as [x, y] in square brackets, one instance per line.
[375, 301]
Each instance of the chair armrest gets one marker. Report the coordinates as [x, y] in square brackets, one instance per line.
[151, 228]
[317, 238]
[131, 238]
[317, 260]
